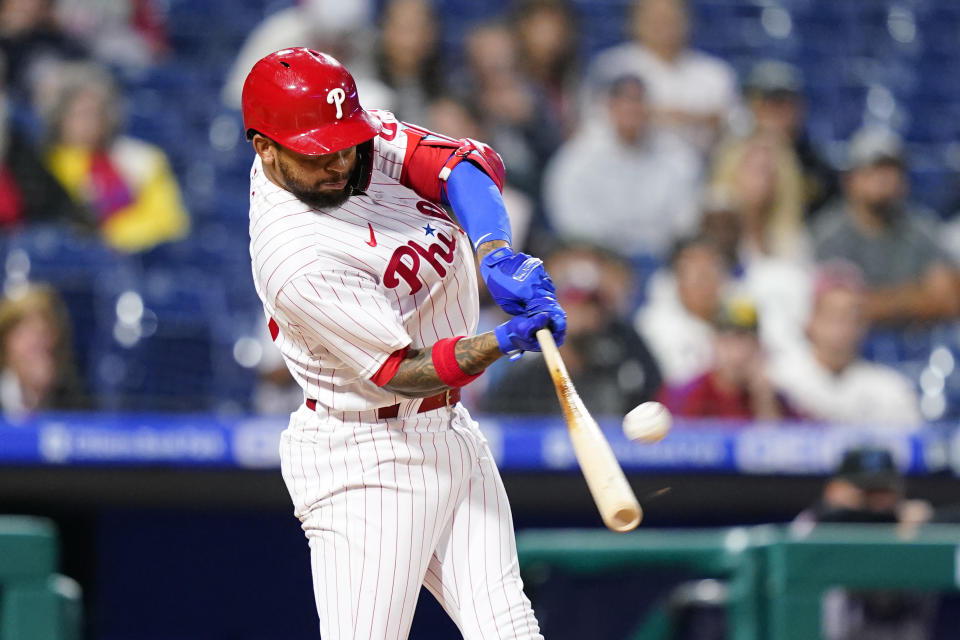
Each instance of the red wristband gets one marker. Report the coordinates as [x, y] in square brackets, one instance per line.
[445, 362]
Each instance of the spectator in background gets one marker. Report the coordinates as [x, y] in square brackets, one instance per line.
[37, 370]
[827, 379]
[609, 363]
[342, 29]
[621, 185]
[457, 118]
[908, 273]
[774, 95]
[677, 320]
[28, 193]
[761, 174]
[738, 386]
[548, 36]
[408, 57]
[779, 287]
[517, 118]
[276, 392]
[691, 93]
[126, 183]
[31, 41]
[126, 33]
[868, 488]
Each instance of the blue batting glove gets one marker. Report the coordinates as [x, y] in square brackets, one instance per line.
[519, 333]
[558, 317]
[514, 279]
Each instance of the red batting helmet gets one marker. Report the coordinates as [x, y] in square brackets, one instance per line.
[306, 101]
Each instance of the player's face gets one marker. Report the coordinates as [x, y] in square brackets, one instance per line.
[322, 182]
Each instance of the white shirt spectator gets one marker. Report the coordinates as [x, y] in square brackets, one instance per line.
[633, 199]
[694, 83]
[781, 291]
[863, 393]
[681, 342]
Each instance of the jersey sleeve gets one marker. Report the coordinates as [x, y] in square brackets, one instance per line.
[342, 313]
[422, 160]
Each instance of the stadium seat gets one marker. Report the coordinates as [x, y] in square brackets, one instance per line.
[158, 341]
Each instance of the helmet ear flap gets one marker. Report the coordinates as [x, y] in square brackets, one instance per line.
[360, 181]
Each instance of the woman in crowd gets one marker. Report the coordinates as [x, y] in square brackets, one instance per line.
[37, 369]
[127, 184]
[762, 176]
[408, 57]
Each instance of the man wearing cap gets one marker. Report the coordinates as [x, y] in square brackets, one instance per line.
[867, 488]
[908, 273]
[773, 92]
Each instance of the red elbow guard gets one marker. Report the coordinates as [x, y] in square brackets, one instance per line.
[430, 159]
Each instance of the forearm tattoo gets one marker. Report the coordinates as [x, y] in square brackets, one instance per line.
[487, 247]
[417, 377]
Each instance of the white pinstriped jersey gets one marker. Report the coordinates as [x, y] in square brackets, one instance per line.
[344, 288]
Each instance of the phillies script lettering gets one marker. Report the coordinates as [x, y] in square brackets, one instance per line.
[405, 262]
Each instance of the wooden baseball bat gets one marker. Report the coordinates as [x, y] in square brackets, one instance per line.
[611, 492]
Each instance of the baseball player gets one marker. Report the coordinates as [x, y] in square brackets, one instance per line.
[370, 293]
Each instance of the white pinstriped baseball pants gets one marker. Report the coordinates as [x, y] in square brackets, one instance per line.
[390, 505]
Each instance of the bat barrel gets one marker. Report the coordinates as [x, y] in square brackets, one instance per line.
[611, 492]
[625, 518]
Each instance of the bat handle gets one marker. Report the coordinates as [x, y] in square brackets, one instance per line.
[550, 351]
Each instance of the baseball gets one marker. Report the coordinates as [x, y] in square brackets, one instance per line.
[648, 422]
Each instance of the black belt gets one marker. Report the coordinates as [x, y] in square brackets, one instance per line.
[448, 398]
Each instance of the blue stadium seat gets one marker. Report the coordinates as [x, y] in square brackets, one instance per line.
[161, 344]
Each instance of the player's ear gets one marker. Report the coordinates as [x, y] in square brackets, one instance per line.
[265, 148]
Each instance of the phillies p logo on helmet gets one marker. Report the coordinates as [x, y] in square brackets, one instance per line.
[337, 96]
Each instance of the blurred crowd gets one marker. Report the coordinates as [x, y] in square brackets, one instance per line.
[709, 254]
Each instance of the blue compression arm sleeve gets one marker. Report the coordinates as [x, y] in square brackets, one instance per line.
[477, 203]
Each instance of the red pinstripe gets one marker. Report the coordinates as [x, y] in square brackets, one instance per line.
[283, 263]
[336, 570]
[411, 559]
[341, 355]
[266, 244]
[373, 611]
[500, 548]
[459, 499]
[279, 219]
[363, 554]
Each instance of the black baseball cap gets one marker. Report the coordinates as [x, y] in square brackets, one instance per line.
[870, 468]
